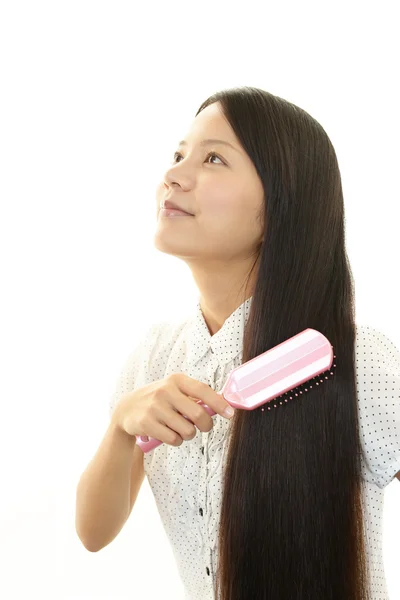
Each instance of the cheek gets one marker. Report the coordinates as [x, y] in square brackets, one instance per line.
[229, 219]
[226, 220]
[222, 203]
[219, 217]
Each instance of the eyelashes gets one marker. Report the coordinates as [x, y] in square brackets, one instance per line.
[208, 155]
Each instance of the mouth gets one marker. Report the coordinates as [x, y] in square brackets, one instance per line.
[169, 205]
[173, 212]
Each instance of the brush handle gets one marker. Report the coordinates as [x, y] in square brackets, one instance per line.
[152, 443]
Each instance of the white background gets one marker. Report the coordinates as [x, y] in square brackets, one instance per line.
[94, 97]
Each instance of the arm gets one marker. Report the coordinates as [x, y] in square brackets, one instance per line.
[398, 475]
[103, 491]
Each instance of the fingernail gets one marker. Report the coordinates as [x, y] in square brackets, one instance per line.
[228, 412]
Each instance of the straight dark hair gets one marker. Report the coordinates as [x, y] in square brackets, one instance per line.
[291, 524]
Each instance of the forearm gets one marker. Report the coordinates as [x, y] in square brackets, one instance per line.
[103, 491]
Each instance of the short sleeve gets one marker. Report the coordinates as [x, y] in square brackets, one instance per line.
[378, 388]
[134, 366]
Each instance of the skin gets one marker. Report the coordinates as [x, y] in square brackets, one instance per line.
[218, 243]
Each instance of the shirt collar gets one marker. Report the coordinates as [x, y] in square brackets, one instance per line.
[226, 344]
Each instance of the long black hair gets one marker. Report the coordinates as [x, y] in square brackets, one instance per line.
[291, 525]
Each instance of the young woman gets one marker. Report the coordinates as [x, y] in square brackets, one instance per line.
[287, 503]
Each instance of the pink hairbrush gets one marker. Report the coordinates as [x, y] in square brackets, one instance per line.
[280, 370]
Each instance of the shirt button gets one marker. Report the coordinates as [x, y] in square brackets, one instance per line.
[208, 570]
[202, 449]
[201, 511]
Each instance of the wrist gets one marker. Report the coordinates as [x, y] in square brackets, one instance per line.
[117, 425]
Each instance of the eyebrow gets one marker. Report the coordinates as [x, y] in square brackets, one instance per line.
[210, 141]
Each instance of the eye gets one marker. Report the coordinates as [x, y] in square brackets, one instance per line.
[208, 155]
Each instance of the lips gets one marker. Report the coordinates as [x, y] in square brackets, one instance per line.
[173, 205]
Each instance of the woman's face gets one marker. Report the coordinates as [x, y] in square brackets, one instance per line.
[221, 190]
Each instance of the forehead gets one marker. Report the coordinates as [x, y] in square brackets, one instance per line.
[210, 124]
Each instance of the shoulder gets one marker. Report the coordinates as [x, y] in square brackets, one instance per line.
[376, 349]
[378, 395]
[143, 360]
[377, 360]
[157, 343]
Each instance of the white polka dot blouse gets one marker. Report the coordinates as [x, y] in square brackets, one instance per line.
[186, 480]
